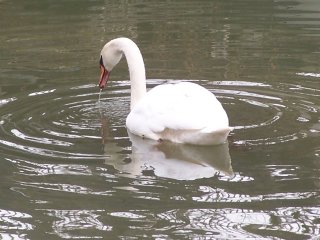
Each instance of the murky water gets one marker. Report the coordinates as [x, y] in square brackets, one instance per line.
[69, 169]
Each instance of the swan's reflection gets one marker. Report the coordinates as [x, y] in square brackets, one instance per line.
[169, 160]
[178, 161]
[164, 159]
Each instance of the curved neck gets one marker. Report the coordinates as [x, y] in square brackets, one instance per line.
[136, 70]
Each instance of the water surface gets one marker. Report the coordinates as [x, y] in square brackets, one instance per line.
[70, 170]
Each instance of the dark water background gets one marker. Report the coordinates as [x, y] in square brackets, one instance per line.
[68, 167]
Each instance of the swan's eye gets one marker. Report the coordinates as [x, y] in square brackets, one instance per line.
[101, 61]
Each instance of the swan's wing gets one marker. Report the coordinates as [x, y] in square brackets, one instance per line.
[183, 106]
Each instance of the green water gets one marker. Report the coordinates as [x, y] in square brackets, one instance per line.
[69, 170]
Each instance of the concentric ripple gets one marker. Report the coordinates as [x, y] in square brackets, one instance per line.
[70, 123]
[264, 114]
[55, 123]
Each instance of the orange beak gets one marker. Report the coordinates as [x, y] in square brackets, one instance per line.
[104, 77]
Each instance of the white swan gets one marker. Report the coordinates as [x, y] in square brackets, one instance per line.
[183, 112]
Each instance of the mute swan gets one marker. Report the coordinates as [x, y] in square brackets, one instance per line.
[182, 112]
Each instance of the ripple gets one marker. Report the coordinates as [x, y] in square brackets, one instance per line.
[264, 114]
[299, 220]
[70, 123]
[215, 223]
[8, 100]
[14, 220]
[233, 223]
[309, 74]
[58, 123]
[71, 223]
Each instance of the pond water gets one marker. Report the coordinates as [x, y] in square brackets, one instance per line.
[69, 169]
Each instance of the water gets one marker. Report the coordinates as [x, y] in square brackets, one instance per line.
[70, 170]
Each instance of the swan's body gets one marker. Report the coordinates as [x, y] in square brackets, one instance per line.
[183, 112]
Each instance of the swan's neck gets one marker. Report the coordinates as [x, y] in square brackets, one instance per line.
[136, 71]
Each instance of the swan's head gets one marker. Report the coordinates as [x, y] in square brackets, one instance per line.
[109, 57]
